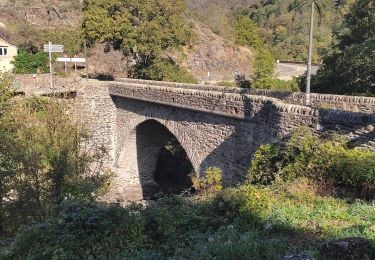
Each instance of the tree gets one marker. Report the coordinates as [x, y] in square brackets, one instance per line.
[287, 37]
[142, 29]
[247, 34]
[350, 67]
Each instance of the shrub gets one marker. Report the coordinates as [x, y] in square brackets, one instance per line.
[319, 159]
[356, 169]
[241, 81]
[227, 84]
[265, 164]
[25, 62]
[212, 181]
[45, 160]
[6, 92]
[163, 70]
[86, 231]
[284, 85]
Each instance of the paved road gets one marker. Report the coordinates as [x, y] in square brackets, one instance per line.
[287, 71]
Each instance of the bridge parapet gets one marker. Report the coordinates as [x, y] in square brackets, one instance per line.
[339, 102]
[241, 106]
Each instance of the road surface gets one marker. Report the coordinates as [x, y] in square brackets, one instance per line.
[286, 71]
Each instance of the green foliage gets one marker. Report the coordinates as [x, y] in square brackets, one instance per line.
[211, 182]
[44, 161]
[285, 85]
[264, 66]
[6, 92]
[69, 36]
[252, 222]
[31, 38]
[164, 70]
[87, 230]
[265, 164]
[350, 68]
[143, 30]
[247, 33]
[320, 160]
[26, 62]
[284, 26]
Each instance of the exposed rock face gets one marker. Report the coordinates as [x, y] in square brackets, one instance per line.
[41, 13]
[106, 62]
[348, 249]
[217, 56]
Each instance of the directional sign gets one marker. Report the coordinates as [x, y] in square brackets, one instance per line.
[63, 59]
[53, 48]
[77, 60]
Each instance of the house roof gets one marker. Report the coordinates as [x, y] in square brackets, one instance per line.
[4, 37]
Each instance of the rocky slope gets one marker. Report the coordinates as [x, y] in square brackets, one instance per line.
[211, 58]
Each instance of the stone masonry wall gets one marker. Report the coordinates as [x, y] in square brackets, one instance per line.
[339, 102]
[215, 128]
[93, 107]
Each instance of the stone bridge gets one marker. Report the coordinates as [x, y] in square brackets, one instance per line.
[215, 126]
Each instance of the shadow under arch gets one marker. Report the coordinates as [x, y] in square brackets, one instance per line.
[156, 161]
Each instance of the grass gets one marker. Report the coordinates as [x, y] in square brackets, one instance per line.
[325, 217]
[247, 222]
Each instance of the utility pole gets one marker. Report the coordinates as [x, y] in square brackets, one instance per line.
[308, 77]
[86, 63]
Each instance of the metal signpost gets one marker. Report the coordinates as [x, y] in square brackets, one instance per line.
[50, 48]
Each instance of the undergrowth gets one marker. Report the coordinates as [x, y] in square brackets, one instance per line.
[288, 206]
[248, 222]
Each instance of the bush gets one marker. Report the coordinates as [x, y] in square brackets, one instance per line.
[252, 222]
[44, 161]
[25, 62]
[319, 159]
[285, 85]
[265, 164]
[86, 231]
[227, 84]
[163, 70]
[212, 181]
[6, 92]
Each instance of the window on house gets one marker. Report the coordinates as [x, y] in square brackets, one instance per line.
[3, 51]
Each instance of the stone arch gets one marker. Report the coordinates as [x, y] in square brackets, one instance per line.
[140, 156]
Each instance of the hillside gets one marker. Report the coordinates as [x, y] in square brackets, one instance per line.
[215, 56]
[283, 25]
[211, 53]
[42, 13]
